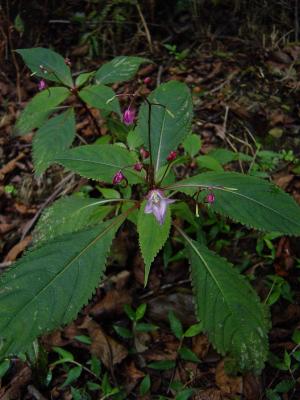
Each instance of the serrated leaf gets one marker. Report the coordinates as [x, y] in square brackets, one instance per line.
[50, 284]
[54, 63]
[169, 124]
[56, 135]
[100, 96]
[228, 308]
[100, 162]
[255, 202]
[83, 78]
[152, 236]
[119, 69]
[67, 215]
[39, 108]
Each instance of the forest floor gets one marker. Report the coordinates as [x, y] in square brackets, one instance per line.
[245, 100]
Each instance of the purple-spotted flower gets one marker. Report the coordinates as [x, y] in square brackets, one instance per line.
[42, 85]
[118, 177]
[157, 205]
[128, 116]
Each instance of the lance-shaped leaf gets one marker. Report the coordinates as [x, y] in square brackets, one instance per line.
[152, 236]
[102, 97]
[39, 108]
[171, 115]
[252, 201]
[119, 69]
[54, 136]
[100, 162]
[70, 214]
[50, 284]
[47, 64]
[228, 308]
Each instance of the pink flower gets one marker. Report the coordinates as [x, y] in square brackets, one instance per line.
[147, 80]
[144, 153]
[172, 156]
[128, 116]
[118, 177]
[138, 167]
[42, 85]
[210, 198]
[157, 205]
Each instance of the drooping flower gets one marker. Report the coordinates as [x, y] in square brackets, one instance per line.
[172, 156]
[128, 116]
[138, 167]
[210, 198]
[157, 205]
[42, 85]
[144, 153]
[147, 80]
[118, 177]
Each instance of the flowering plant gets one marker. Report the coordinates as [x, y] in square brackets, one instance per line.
[51, 283]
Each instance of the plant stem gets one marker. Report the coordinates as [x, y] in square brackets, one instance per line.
[88, 111]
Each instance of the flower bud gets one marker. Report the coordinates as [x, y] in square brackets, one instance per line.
[138, 167]
[118, 177]
[128, 116]
[42, 85]
[144, 153]
[210, 198]
[147, 80]
[172, 156]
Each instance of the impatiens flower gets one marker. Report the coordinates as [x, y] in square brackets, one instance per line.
[172, 156]
[210, 198]
[118, 177]
[147, 80]
[128, 116]
[144, 153]
[138, 167]
[157, 205]
[42, 85]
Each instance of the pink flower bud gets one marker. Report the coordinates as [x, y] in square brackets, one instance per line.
[144, 153]
[147, 80]
[118, 177]
[138, 167]
[210, 198]
[172, 156]
[128, 116]
[42, 85]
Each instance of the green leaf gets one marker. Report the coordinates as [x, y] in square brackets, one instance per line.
[145, 385]
[50, 284]
[194, 330]
[55, 135]
[208, 162]
[175, 324]
[83, 78]
[129, 312]
[73, 374]
[152, 236]
[285, 386]
[4, 367]
[254, 202]
[192, 144]
[19, 24]
[228, 308]
[119, 69]
[39, 108]
[83, 339]
[134, 140]
[140, 311]
[64, 354]
[188, 355]
[169, 124]
[162, 365]
[123, 332]
[100, 162]
[145, 327]
[185, 394]
[100, 96]
[57, 70]
[67, 215]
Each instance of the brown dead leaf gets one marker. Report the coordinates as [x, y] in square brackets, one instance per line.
[232, 385]
[252, 387]
[133, 372]
[112, 303]
[11, 165]
[200, 346]
[103, 346]
[208, 394]
[13, 389]
[283, 180]
[4, 228]
[17, 249]
[23, 209]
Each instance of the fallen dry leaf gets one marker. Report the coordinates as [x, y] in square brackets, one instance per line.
[208, 394]
[232, 385]
[112, 303]
[104, 346]
[17, 249]
[11, 165]
[200, 346]
[13, 389]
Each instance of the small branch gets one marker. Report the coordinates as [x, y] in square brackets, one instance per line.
[148, 35]
[89, 113]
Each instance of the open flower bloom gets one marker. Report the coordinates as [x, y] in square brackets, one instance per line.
[42, 85]
[118, 177]
[128, 116]
[157, 205]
